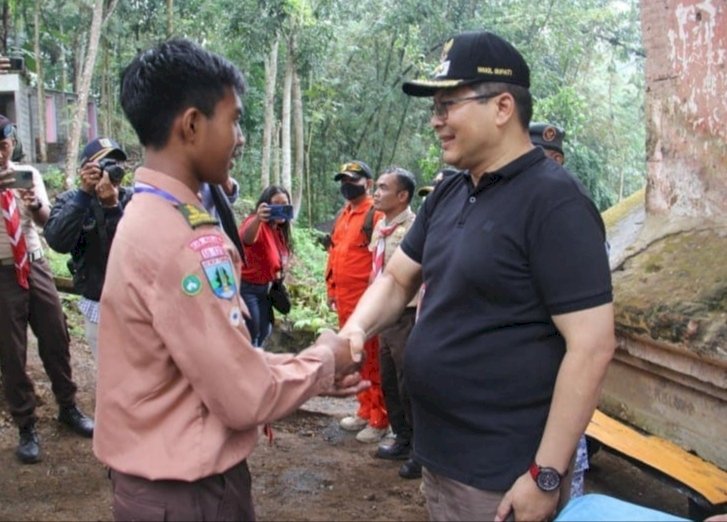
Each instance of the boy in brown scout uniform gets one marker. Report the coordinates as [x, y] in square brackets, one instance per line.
[181, 391]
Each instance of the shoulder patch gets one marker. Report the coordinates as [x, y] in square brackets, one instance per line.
[220, 276]
[196, 217]
[191, 285]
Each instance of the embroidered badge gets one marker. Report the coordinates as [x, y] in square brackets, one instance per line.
[235, 316]
[549, 133]
[201, 242]
[220, 276]
[191, 285]
[196, 217]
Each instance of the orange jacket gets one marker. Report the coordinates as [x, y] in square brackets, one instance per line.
[349, 258]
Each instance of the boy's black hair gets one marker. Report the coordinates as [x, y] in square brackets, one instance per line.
[162, 82]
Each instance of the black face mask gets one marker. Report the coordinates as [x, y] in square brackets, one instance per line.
[351, 191]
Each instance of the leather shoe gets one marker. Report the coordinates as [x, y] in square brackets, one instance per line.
[74, 418]
[411, 469]
[396, 451]
[29, 447]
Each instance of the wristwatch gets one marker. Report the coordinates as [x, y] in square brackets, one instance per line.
[547, 479]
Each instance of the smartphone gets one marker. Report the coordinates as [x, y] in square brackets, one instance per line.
[281, 212]
[23, 178]
[16, 64]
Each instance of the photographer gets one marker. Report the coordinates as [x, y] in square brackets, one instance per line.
[83, 222]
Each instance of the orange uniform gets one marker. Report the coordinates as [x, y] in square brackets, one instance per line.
[347, 277]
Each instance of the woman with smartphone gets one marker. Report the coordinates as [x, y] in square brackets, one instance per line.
[266, 238]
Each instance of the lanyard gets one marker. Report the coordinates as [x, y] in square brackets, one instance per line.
[144, 188]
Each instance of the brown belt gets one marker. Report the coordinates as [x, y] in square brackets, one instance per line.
[35, 255]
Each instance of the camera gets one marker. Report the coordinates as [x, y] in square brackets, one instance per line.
[281, 212]
[116, 172]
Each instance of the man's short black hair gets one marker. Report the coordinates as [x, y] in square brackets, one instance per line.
[522, 96]
[162, 82]
[404, 179]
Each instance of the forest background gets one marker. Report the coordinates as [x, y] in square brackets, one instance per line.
[324, 81]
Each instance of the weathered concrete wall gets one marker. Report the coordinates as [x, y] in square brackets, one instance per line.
[686, 107]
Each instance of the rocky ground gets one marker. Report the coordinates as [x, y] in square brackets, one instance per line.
[312, 470]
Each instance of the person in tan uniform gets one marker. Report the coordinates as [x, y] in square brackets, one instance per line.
[181, 391]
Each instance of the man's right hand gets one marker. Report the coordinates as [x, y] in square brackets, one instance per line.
[90, 176]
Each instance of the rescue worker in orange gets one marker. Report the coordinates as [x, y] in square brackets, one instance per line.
[347, 276]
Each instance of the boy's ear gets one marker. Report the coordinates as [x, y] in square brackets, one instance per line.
[189, 123]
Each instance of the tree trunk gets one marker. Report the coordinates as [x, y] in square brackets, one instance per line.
[84, 86]
[170, 18]
[285, 145]
[40, 89]
[297, 96]
[271, 73]
[276, 154]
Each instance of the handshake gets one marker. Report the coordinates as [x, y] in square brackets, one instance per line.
[347, 348]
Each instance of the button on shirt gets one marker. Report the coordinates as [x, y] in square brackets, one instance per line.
[181, 391]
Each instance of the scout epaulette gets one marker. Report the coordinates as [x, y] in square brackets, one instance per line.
[196, 217]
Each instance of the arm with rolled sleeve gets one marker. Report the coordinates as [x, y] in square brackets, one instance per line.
[238, 384]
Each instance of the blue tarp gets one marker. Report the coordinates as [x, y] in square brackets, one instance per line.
[602, 508]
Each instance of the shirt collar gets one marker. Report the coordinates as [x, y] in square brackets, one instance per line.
[512, 169]
[400, 218]
[167, 183]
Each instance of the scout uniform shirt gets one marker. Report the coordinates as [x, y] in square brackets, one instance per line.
[181, 391]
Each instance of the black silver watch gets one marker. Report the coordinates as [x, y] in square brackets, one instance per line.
[547, 479]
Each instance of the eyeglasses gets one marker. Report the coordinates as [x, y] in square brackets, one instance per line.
[440, 108]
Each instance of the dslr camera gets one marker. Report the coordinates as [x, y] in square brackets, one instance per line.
[116, 171]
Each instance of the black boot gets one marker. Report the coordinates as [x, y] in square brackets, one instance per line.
[29, 447]
[411, 469]
[74, 418]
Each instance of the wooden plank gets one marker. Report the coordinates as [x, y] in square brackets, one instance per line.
[666, 457]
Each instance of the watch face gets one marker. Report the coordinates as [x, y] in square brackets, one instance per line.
[548, 479]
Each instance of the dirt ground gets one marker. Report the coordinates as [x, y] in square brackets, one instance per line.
[312, 471]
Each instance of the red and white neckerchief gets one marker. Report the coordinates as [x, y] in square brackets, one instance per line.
[11, 216]
[378, 260]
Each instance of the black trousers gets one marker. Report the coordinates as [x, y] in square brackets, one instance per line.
[39, 307]
[391, 359]
[226, 496]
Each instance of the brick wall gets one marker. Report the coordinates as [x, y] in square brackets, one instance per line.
[686, 106]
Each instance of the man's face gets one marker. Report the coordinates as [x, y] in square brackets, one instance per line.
[468, 128]
[220, 139]
[7, 146]
[388, 195]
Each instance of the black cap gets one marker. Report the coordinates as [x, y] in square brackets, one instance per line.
[353, 169]
[547, 136]
[101, 148]
[473, 57]
[7, 127]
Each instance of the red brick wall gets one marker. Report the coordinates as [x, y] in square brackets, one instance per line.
[686, 106]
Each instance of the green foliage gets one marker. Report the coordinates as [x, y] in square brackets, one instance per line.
[58, 263]
[307, 285]
[54, 179]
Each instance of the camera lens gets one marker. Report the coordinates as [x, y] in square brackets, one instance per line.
[116, 173]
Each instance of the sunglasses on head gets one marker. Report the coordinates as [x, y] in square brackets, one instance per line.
[351, 167]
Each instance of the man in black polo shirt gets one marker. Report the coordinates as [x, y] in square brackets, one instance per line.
[515, 332]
